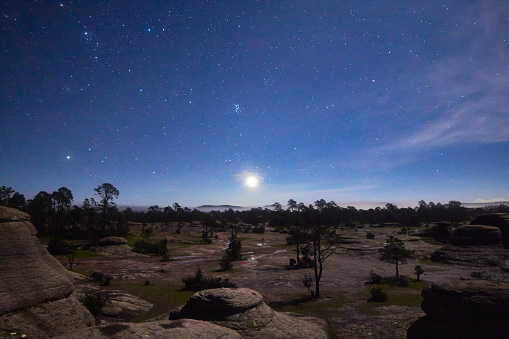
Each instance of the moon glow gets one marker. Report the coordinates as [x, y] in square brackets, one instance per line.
[251, 181]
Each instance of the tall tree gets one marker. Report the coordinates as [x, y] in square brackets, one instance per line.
[292, 205]
[62, 199]
[17, 201]
[40, 210]
[394, 252]
[107, 192]
[323, 240]
[5, 195]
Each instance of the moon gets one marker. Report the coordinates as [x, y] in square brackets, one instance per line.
[251, 181]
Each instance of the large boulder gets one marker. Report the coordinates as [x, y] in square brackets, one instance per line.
[438, 230]
[500, 220]
[244, 311]
[36, 291]
[114, 246]
[471, 309]
[476, 235]
[480, 256]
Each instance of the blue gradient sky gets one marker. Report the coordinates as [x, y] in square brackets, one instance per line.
[391, 101]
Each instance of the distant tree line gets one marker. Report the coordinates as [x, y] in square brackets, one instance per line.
[53, 214]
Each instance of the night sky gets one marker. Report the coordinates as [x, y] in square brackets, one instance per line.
[252, 102]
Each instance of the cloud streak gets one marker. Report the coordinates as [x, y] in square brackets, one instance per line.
[465, 100]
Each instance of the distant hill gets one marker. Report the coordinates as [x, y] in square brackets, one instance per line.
[208, 208]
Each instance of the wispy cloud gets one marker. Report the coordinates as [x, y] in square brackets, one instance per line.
[465, 99]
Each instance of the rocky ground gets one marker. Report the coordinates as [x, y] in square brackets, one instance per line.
[265, 268]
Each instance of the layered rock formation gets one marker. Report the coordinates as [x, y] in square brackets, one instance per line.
[473, 309]
[36, 291]
[476, 235]
[476, 245]
[114, 246]
[500, 220]
[244, 311]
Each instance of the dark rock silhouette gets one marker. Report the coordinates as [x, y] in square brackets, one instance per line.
[500, 220]
[476, 235]
[472, 309]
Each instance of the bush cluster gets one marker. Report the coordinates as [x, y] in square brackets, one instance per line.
[94, 303]
[378, 295]
[147, 247]
[232, 253]
[199, 282]
[258, 229]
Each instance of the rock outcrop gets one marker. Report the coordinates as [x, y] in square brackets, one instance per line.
[36, 292]
[476, 245]
[244, 311]
[438, 230]
[114, 246]
[500, 220]
[168, 329]
[473, 309]
[476, 235]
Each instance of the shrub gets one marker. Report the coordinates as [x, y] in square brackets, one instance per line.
[259, 229]
[375, 278]
[146, 247]
[370, 235]
[226, 262]
[107, 280]
[378, 295]
[402, 281]
[97, 276]
[94, 303]
[199, 282]
[307, 282]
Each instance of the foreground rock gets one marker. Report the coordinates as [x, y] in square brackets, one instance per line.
[244, 311]
[500, 220]
[169, 329]
[119, 305]
[473, 309]
[36, 292]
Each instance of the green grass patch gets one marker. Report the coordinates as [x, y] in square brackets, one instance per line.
[307, 305]
[87, 254]
[132, 239]
[396, 295]
[163, 297]
[80, 272]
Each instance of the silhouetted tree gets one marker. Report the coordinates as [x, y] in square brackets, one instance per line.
[107, 192]
[62, 199]
[17, 201]
[394, 252]
[292, 205]
[322, 241]
[5, 195]
[41, 211]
